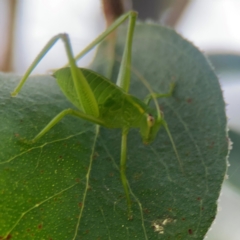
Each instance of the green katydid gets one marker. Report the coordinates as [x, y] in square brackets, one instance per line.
[102, 102]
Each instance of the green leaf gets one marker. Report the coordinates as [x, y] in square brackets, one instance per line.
[67, 185]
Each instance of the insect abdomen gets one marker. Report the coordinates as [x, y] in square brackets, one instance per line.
[116, 108]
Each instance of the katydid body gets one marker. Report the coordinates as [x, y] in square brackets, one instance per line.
[102, 102]
[117, 109]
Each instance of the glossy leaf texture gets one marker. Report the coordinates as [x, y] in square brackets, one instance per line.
[67, 185]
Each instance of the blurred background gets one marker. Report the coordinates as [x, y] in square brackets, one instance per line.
[213, 26]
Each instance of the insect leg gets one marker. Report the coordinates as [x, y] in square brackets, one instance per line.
[34, 64]
[151, 96]
[102, 36]
[163, 122]
[62, 114]
[83, 90]
[123, 79]
[123, 170]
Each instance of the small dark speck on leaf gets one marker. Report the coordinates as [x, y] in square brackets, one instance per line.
[80, 204]
[95, 155]
[190, 231]
[146, 210]
[77, 180]
[199, 199]
[189, 100]
[40, 226]
[183, 219]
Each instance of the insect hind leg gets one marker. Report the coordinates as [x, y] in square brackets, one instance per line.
[58, 118]
[84, 93]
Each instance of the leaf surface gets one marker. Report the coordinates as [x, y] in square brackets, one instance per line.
[67, 185]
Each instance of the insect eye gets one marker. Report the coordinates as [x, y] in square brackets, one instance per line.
[150, 120]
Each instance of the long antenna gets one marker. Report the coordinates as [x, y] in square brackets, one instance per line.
[173, 144]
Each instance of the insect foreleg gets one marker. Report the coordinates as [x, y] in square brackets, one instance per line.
[58, 118]
[151, 96]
